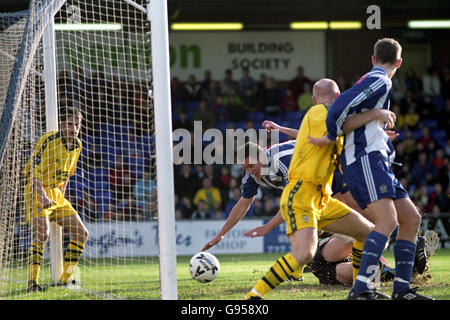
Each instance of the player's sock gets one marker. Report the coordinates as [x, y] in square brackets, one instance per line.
[71, 258]
[357, 251]
[373, 248]
[298, 273]
[279, 271]
[35, 258]
[404, 253]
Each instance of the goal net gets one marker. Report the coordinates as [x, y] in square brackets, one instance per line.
[98, 60]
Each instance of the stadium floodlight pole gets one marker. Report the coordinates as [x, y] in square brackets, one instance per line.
[51, 118]
[157, 16]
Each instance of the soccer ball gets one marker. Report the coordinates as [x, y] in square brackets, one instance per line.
[204, 267]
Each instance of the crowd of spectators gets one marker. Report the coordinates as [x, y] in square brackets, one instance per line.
[203, 191]
[422, 105]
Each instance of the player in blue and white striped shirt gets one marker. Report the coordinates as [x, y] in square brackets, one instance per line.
[365, 164]
[278, 160]
[269, 170]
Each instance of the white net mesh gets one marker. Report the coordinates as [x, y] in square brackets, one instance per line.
[103, 61]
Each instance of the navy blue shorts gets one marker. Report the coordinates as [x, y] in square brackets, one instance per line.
[370, 178]
[338, 185]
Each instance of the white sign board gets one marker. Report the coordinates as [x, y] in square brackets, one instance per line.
[277, 54]
[118, 239]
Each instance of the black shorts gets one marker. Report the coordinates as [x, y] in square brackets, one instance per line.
[325, 271]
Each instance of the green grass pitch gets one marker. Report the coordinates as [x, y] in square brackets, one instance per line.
[239, 273]
[138, 279]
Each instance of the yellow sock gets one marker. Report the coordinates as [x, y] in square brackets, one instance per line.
[298, 273]
[279, 271]
[356, 257]
[35, 258]
[71, 258]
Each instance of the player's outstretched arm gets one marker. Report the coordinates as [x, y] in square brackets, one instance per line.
[239, 210]
[266, 228]
[322, 141]
[358, 120]
[270, 125]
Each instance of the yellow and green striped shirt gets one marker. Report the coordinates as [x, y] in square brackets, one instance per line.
[52, 163]
[309, 162]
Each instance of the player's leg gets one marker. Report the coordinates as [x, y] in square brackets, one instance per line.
[339, 248]
[40, 225]
[385, 215]
[385, 222]
[420, 256]
[297, 275]
[339, 218]
[36, 251]
[304, 244]
[370, 182]
[346, 197]
[351, 202]
[298, 209]
[409, 219]
[73, 225]
[326, 270]
[344, 273]
[405, 249]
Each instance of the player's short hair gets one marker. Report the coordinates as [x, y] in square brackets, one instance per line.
[387, 50]
[69, 111]
[251, 149]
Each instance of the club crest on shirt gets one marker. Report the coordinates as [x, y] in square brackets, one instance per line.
[368, 91]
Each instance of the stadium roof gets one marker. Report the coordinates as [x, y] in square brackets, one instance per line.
[277, 14]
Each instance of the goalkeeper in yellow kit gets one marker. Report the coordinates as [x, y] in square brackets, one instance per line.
[48, 171]
[306, 203]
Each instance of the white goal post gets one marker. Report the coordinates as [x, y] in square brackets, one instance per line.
[51, 120]
[163, 129]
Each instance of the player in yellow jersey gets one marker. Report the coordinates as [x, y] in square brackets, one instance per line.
[306, 203]
[48, 171]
